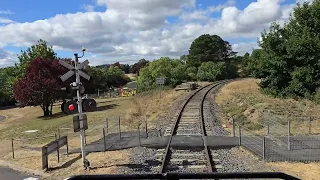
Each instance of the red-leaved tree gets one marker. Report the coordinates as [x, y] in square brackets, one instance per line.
[41, 86]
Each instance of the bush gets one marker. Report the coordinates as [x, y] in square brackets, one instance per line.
[210, 71]
[174, 71]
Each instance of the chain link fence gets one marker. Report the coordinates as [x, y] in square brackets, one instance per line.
[279, 140]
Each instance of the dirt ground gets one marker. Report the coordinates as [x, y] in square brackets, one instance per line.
[130, 109]
[243, 100]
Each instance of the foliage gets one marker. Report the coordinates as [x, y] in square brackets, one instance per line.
[7, 79]
[104, 78]
[41, 85]
[41, 50]
[288, 62]
[135, 68]
[172, 69]
[124, 67]
[209, 48]
[210, 71]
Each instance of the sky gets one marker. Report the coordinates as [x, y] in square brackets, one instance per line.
[129, 30]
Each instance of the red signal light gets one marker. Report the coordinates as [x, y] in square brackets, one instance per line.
[71, 107]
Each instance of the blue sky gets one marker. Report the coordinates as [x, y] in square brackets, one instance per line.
[128, 30]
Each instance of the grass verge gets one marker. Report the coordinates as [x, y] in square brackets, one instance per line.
[243, 100]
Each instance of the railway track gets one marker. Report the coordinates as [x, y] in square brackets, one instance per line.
[190, 122]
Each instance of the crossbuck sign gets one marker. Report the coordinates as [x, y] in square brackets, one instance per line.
[76, 70]
[72, 69]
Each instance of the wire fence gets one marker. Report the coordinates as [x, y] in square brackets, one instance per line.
[279, 141]
[104, 94]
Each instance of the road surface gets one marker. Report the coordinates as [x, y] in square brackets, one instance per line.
[10, 174]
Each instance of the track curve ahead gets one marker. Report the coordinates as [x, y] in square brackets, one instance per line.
[190, 122]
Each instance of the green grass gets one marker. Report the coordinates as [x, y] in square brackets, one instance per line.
[48, 126]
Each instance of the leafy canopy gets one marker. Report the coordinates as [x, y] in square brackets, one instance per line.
[41, 85]
[39, 50]
[208, 48]
[289, 60]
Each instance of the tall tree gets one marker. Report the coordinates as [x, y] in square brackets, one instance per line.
[41, 50]
[209, 48]
[41, 85]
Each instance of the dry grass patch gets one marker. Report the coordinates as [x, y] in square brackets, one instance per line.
[132, 76]
[101, 163]
[152, 104]
[310, 171]
[243, 100]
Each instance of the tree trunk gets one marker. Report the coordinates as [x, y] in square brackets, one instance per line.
[46, 111]
[51, 108]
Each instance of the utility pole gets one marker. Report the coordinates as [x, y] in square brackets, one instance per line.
[76, 64]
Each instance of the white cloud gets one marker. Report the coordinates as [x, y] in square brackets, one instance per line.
[7, 58]
[133, 29]
[5, 20]
[6, 12]
[204, 14]
[88, 7]
[242, 48]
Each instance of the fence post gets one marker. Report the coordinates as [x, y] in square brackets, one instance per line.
[12, 148]
[310, 125]
[104, 140]
[55, 135]
[59, 132]
[268, 128]
[107, 125]
[139, 135]
[264, 148]
[85, 137]
[67, 146]
[239, 135]
[119, 128]
[146, 126]
[289, 146]
[233, 129]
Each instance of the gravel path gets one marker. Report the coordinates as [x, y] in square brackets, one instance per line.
[232, 160]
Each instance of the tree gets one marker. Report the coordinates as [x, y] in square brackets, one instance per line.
[41, 85]
[184, 58]
[104, 78]
[41, 50]
[135, 68]
[7, 79]
[172, 69]
[210, 71]
[290, 64]
[209, 48]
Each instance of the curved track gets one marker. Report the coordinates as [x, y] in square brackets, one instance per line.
[190, 122]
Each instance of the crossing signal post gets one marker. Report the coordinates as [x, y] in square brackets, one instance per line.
[76, 70]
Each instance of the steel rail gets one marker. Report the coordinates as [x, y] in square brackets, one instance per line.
[165, 158]
[204, 132]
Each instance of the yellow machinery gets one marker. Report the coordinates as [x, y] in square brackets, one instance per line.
[130, 89]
